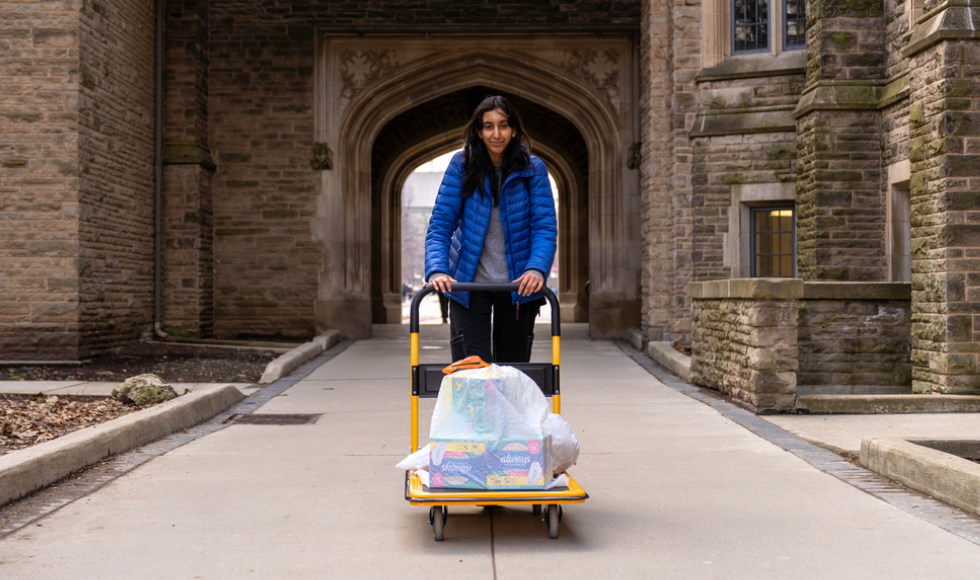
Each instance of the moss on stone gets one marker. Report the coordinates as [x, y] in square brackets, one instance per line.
[13, 163]
[841, 39]
[733, 178]
[88, 79]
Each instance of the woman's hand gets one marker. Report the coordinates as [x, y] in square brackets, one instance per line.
[442, 283]
[530, 283]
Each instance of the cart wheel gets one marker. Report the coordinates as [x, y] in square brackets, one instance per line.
[553, 518]
[536, 509]
[438, 526]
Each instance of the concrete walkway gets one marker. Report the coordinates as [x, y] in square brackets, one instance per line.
[677, 491]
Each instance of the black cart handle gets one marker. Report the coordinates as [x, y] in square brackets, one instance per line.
[413, 324]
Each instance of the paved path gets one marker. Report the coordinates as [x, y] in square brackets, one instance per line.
[677, 491]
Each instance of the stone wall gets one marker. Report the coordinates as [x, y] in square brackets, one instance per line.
[855, 338]
[763, 341]
[840, 217]
[745, 340]
[76, 180]
[945, 218]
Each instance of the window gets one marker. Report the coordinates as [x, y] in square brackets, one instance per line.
[773, 242]
[794, 24]
[750, 26]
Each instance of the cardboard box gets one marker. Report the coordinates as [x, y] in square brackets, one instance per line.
[524, 464]
[457, 464]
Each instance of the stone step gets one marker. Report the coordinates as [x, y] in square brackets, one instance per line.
[871, 404]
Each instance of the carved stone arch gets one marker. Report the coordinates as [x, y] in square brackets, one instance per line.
[345, 284]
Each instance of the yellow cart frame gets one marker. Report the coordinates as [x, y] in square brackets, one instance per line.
[426, 379]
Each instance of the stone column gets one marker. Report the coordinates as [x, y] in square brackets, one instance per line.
[188, 231]
[840, 225]
[655, 171]
[945, 132]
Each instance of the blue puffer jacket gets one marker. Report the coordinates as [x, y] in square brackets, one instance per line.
[454, 243]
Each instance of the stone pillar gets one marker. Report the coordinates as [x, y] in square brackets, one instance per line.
[840, 225]
[188, 230]
[945, 132]
[655, 171]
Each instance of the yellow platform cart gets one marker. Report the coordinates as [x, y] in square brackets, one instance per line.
[426, 379]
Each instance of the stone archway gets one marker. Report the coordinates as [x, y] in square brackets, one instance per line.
[367, 82]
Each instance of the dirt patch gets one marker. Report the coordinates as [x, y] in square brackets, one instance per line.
[685, 350]
[174, 363]
[26, 420]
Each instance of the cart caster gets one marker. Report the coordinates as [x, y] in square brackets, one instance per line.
[553, 517]
[536, 509]
[438, 523]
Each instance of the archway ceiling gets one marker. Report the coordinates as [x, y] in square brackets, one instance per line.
[451, 111]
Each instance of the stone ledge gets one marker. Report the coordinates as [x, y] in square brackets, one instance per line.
[299, 355]
[924, 466]
[751, 288]
[887, 404]
[719, 122]
[674, 361]
[792, 62]
[25, 471]
[951, 20]
[857, 291]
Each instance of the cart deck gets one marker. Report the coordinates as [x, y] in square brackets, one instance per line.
[426, 379]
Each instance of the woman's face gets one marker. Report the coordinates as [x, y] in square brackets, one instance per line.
[496, 134]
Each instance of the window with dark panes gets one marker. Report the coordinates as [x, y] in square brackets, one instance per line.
[794, 24]
[750, 26]
[773, 246]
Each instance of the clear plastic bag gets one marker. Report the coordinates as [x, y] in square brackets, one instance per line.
[564, 445]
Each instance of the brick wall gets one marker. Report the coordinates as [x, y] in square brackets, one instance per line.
[76, 187]
[39, 246]
[116, 172]
[187, 204]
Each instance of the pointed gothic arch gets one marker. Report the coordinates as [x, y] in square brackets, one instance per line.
[346, 198]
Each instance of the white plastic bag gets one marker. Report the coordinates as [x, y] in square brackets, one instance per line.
[486, 431]
[564, 444]
[416, 461]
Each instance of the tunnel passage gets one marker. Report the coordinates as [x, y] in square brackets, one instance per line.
[557, 137]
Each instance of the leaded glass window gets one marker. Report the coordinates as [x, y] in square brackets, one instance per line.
[750, 26]
[773, 243]
[794, 24]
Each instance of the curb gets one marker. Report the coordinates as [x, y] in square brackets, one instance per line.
[28, 470]
[927, 467]
[297, 356]
[667, 355]
[871, 404]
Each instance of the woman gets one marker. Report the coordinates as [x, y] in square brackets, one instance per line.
[493, 221]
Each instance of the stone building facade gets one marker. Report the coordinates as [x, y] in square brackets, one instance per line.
[288, 127]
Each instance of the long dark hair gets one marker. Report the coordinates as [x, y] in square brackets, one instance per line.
[476, 159]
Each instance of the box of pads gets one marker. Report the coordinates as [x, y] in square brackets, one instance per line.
[523, 464]
[457, 464]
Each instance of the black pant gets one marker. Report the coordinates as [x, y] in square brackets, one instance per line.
[507, 340]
